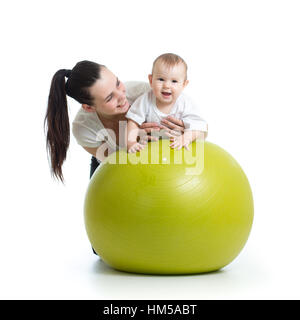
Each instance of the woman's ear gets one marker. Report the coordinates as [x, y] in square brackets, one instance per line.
[88, 108]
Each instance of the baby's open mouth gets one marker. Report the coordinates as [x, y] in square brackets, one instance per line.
[166, 94]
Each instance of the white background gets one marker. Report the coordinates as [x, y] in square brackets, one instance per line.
[244, 70]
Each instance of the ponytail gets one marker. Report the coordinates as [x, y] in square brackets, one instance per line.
[56, 123]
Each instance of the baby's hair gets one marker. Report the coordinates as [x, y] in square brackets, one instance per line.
[170, 60]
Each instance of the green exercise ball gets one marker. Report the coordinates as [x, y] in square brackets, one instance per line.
[166, 211]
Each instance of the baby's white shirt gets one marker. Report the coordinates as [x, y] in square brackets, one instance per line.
[144, 109]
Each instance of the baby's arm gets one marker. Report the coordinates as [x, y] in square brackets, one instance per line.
[185, 139]
[132, 134]
[194, 126]
[136, 115]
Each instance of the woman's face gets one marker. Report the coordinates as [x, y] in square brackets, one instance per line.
[109, 95]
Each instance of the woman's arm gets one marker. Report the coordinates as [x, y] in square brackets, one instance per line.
[100, 152]
[92, 151]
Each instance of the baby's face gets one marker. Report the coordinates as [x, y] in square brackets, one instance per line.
[167, 83]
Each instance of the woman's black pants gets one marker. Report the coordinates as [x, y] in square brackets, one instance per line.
[94, 166]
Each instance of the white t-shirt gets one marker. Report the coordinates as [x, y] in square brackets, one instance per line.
[88, 129]
[145, 109]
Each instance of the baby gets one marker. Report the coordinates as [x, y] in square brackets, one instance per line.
[167, 81]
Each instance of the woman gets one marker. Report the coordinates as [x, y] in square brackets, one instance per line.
[104, 102]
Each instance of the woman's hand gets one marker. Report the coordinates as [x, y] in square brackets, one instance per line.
[173, 127]
[149, 127]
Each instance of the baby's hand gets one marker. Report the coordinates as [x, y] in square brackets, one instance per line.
[134, 147]
[180, 141]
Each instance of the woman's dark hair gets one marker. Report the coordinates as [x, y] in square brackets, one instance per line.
[57, 127]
